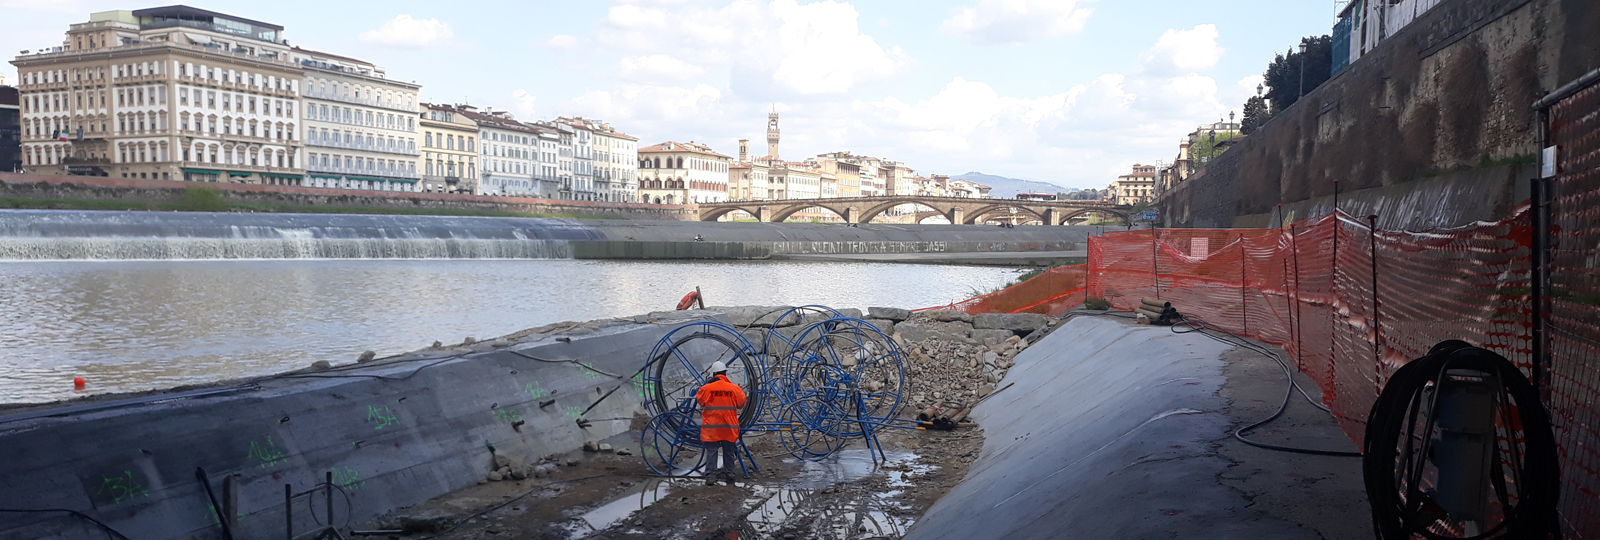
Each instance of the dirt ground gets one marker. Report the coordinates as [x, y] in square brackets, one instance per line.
[604, 496]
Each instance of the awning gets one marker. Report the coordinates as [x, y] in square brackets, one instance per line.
[330, 177]
[198, 39]
[276, 175]
[237, 173]
[201, 171]
[372, 179]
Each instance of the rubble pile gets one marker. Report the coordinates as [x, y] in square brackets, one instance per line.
[954, 359]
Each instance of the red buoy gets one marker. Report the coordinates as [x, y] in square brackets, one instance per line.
[78, 382]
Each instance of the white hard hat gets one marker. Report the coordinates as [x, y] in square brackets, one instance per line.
[718, 367]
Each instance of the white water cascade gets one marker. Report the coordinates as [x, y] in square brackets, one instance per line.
[89, 235]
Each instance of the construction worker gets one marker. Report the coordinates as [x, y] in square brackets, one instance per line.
[720, 402]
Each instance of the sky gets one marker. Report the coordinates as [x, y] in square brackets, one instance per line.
[1072, 92]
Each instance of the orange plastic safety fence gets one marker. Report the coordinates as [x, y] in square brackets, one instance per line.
[1572, 329]
[1052, 292]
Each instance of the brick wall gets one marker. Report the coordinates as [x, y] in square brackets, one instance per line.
[1447, 97]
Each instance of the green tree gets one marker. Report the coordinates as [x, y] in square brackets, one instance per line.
[1202, 151]
[1255, 114]
[1283, 76]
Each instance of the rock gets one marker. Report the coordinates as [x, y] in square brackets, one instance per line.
[605, 447]
[624, 452]
[985, 335]
[1014, 338]
[541, 471]
[922, 330]
[851, 312]
[519, 474]
[491, 530]
[1016, 322]
[469, 340]
[321, 365]
[948, 315]
[591, 445]
[991, 359]
[495, 476]
[762, 316]
[502, 461]
[413, 525]
[505, 472]
[985, 390]
[366, 357]
[886, 325]
[438, 344]
[893, 314]
[574, 462]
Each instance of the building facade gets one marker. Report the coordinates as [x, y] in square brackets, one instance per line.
[747, 181]
[449, 150]
[361, 127]
[1137, 187]
[10, 128]
[508, 154]
[171, 93]
[682, 173]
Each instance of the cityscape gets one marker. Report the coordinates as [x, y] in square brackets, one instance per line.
[709, 270]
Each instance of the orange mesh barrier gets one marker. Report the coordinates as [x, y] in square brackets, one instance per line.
[1572, 298]
[1309, 289]
[1052, 292]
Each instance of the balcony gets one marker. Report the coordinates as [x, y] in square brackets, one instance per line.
[339, 143]
[138, 47]
[313, 94]
[360, 171]
[237, 167]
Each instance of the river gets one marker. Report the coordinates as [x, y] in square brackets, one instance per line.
[141, 325]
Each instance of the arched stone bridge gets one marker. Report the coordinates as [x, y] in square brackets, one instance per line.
[956, 209]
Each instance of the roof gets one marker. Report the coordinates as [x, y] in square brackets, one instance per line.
[694, 148]
[182, 11]
[320, 53]
[495, 121]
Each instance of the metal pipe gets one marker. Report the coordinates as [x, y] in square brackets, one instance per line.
[327, 491]
[288, 512]
[200, 474]
[1377, 328]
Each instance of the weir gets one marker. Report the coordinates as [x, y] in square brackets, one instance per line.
[118, 235]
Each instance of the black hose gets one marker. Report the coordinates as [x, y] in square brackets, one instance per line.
[110, 532]
[1395, 415]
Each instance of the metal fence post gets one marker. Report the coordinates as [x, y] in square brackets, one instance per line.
[1299, 331]
[1377, 324]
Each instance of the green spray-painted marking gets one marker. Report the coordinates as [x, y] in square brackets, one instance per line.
[267, 454]
[121, 487]
[347, 478]
[507, 415]
[573, 412]
[534, 390]
[383, 416]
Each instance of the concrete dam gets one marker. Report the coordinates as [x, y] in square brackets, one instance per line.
[102, 235]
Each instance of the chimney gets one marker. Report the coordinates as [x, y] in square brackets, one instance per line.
[744, 150]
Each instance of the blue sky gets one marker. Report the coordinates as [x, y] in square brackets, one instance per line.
[1066, 91]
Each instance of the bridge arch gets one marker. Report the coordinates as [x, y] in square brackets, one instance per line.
[783, 214]
[1075, 213]
[716, 213]
[977, 216]
[878, 209]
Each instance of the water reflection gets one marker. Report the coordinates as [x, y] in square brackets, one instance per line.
[139, 325]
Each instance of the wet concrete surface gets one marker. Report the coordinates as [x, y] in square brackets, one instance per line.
[607, 496]
[1123, 431]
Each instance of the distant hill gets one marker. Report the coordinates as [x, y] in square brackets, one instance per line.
[1008, 188]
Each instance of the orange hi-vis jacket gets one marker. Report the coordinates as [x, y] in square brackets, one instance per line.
[720, 403]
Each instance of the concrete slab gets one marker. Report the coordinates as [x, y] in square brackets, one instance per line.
[1116, 431]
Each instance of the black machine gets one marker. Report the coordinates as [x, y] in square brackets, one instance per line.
[1458, 445]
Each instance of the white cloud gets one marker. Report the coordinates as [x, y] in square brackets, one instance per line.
[404, 31]
[522, 104]
[811, 49]
[657, 68]
[562, 41]
[1185, 51]
[651, 105]
[53, 6]
[1017, 21]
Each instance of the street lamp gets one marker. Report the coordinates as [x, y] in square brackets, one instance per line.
[1302, 71]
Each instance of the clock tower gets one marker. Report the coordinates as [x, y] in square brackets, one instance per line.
[772, 134]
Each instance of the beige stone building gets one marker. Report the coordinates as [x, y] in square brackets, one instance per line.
[682, 173]
[361, 130]
[747, 181]
[449, 150]
[172, 93]
[1136, 187]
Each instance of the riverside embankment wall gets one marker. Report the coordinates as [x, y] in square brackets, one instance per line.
[393, 434]
[1433, 128]
[29, 186]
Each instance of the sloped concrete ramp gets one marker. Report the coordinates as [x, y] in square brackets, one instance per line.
[1111, 431]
